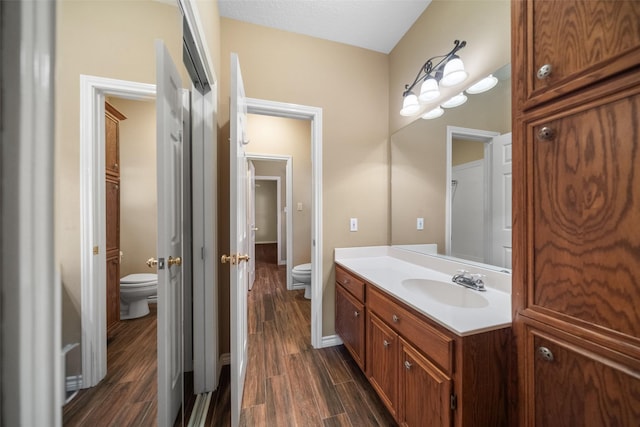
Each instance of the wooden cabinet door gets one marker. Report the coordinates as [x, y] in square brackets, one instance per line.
[112, 194]
[382, 360]
[582, 42]
[569, 386]
[424, 391]
[112, 119]
[586, 211]
[350, 324]
[113, 292]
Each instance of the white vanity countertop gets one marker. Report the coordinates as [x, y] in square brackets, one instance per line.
[387, 268]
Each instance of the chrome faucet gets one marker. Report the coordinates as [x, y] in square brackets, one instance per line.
[469, 280]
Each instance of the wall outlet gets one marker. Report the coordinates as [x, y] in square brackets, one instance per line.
[353, 224]
[420, 224]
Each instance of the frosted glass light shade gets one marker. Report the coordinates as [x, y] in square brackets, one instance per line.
[429, 90]
[410, 105]
[456, 101]
[453, 73]
[483, 85]
[433, 114]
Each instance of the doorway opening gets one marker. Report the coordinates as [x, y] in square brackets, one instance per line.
[314, 115]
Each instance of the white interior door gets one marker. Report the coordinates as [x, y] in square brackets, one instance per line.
[169, 159]
[238, 239]
[501, 201]
[251, 210]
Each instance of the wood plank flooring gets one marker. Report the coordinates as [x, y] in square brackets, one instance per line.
[127, 396]
[288, 383]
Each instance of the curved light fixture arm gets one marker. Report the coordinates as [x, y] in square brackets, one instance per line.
[428, 67]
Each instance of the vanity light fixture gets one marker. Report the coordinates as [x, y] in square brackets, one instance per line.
[483, 85]
[433, 114]
[447, 71]
[456, 101]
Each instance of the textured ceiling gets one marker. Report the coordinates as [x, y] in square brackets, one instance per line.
[371, 24]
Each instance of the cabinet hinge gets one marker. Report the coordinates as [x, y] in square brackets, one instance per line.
[454, 402]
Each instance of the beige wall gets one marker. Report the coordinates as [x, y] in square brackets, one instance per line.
[418, 164]
[266, 211]
[349, 84]
[138, 189]
[280, 136]
[484, 24]
[277, 169]
[106, 39]
[465, 151]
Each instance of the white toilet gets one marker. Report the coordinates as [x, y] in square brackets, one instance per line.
[134, 291]
[301, 274]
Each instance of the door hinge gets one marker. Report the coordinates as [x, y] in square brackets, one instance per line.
[202, 253]
[454, 402]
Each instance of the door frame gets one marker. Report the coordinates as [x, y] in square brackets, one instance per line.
[31, 342]
[279, 227]
[314, 114]
[485, 137]
[288, 204]
[93, 91]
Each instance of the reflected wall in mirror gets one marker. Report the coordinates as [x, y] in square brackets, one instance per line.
[460, 218]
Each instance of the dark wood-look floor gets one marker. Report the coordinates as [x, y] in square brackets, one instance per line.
[289, 383]
[127, 396]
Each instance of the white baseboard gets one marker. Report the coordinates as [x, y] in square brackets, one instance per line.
[331, 341]
[282, 262]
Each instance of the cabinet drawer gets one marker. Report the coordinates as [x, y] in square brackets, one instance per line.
[351, 283]
[414, 329]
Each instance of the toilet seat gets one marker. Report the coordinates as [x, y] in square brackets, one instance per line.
[138, 279]
[302, 270]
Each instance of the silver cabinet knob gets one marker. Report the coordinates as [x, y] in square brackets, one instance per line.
[546, 134]
[545, 353]
[356, 314]
[544, 72]
[385, 343]
[395, 318]
[407, 365]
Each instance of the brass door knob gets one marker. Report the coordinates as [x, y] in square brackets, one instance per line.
[228, 259]
[244, 257]
[174, 261]
[152, 262]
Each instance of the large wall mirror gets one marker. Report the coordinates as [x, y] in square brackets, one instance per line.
[451, 180]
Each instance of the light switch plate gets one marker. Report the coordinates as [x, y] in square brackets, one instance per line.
[420, 224]
[353, 224]
[299, 206]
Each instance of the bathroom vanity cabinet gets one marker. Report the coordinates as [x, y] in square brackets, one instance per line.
[576, 268]
[350, 314]
[425, 374]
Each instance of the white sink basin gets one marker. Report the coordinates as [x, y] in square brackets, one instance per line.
[447, 293]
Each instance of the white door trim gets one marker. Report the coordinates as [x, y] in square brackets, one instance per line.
[481, 136]
[295, 111]
[288, 203]
[93, 91]
[31, 336]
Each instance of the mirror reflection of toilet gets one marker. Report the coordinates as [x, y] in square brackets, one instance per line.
[301, 274]
[135, 289]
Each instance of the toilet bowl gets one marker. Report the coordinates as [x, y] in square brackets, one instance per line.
[134, 291]
[301, 274]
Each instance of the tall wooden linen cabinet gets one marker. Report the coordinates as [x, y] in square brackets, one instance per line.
[112, 121]
[576, 163]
